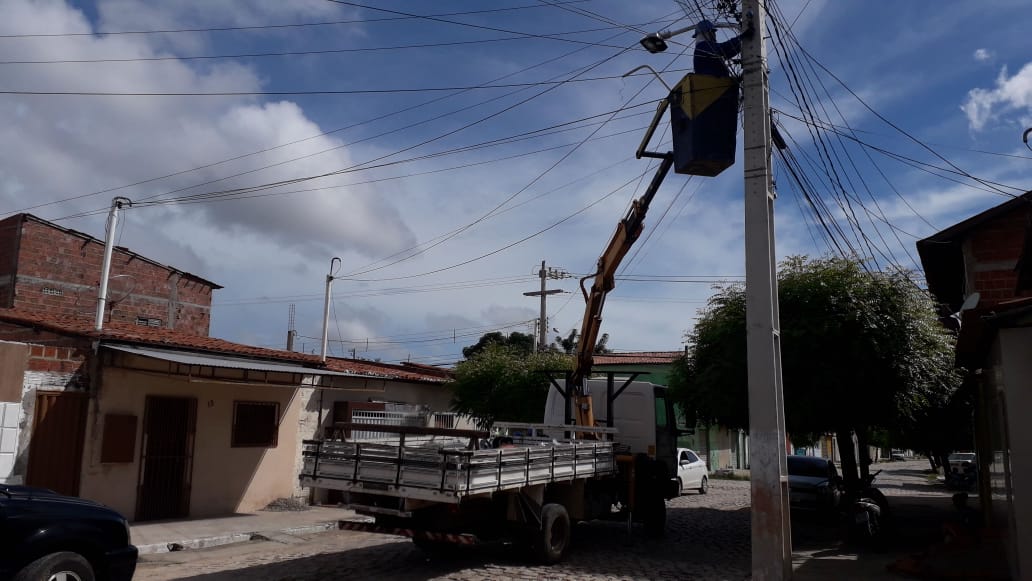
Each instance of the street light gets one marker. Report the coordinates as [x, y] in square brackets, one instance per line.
[656, 42]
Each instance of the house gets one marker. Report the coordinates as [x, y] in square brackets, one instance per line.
[981, 270]
[47, 268]
[158, 423]
[149, 414]
[722, 448]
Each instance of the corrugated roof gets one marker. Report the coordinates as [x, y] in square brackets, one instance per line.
[171, 339]
[223, 361]
[639, 358]
[388, 370]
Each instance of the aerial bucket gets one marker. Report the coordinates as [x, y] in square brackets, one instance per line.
[704, 123]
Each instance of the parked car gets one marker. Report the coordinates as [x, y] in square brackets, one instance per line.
[813, 484]
[897, 456]
[691, 472]
[51, 537]
[962, 472]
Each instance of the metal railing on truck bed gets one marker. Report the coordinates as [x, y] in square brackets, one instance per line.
[445, 467]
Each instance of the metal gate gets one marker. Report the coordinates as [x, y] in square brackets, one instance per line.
[166, 462]
[55, 447]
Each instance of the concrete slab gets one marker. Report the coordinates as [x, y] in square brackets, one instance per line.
[166, 536]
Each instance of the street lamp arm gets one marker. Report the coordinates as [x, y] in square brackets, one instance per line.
[656, 42]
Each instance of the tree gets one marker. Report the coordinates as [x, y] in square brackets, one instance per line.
[860, 351]
[502, 382]
[568, 344]
[522, 342]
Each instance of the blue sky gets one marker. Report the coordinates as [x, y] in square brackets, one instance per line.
[446, 194]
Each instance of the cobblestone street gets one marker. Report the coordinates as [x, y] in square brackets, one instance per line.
[708, 538]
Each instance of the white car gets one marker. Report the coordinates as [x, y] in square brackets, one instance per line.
[691, 472]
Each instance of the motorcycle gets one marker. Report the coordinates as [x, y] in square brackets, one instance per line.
[866, 511]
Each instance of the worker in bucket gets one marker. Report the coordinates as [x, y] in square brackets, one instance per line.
[711, 56]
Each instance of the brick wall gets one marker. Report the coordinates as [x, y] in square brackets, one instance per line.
[994, 249]
[8, 258]
[56, 361]
[59, 272]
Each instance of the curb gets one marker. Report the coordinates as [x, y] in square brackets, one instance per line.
[218, 540]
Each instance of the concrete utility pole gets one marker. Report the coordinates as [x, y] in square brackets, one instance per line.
[543, 322]
[771, 531]
[326, 308]
[291, 332]
[105, 266]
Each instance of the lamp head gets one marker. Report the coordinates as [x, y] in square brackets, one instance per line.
[654, 43]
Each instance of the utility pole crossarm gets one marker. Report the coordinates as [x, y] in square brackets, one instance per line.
[542, 324]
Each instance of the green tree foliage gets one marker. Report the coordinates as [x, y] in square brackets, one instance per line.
[505, 383]
[522, 342]
[860, 351]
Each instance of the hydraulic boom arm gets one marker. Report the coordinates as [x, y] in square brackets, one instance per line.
[627, 232]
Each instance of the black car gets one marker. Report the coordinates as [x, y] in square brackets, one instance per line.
[48, 537]
[813, 484]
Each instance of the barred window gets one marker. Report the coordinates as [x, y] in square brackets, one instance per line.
[148, 322]
[255, 424]
[54, 292]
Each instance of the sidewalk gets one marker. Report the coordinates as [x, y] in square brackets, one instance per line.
[175, 535]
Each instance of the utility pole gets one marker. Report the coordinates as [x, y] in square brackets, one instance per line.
[771, 530]
[105, 267]
[543, 322]
[291, 332]
[326, 308]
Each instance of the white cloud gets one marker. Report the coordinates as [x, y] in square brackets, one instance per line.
[983, 55]
[1013, 94]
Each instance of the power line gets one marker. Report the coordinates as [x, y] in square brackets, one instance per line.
[101, 33]
[394, 90]
[337, 130]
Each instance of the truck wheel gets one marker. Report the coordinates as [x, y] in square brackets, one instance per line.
[63, 566]
[554, 536]
[704, 485]
[654, 517]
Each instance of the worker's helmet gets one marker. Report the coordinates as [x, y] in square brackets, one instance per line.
[703, 27]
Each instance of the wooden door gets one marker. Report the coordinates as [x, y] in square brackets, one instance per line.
[55, 446]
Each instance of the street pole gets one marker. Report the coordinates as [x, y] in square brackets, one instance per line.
[326, 310]
[543, 318]
[105, 265]
[771, 531]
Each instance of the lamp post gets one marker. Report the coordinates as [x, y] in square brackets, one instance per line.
[771, 531]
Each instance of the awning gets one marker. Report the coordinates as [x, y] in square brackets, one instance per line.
[227, 361]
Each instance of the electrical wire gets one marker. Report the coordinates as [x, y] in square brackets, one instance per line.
[328, 51]
[344, 128]
[379, 91]
[102, 33]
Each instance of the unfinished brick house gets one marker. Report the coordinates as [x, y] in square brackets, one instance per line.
[986, 260]
[47, 268]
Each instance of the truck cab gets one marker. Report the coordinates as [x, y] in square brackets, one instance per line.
[641, 412]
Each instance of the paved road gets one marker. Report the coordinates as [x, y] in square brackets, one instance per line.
[708, 538]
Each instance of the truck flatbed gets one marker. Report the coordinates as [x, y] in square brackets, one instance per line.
[442, 465]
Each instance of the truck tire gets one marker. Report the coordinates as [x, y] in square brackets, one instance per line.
[65, 566]
[554, 536]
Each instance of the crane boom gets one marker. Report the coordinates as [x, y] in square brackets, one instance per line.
[627, 232]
